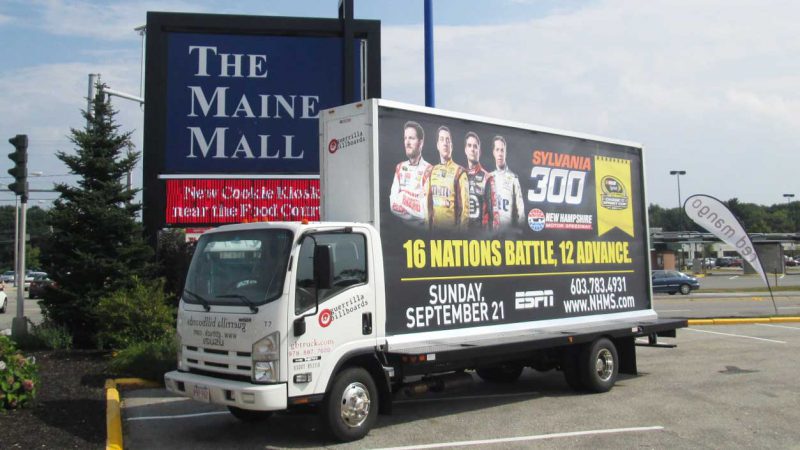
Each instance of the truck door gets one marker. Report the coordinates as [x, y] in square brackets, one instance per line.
[345, 317]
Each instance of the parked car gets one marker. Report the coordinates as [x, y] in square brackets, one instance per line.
[3, 302]
[7, 276]
[672, 282]
[38, 285]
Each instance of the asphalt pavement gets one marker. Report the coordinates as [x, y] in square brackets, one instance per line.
[721, 387]
[32, 310]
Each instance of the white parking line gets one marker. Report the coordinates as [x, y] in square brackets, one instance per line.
[528, 438]
[735, 335]
[778, 326]
[179, 416]
[733, 277]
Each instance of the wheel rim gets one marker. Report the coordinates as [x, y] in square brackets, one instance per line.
[604, 364]
[685, 289]
[355, 404]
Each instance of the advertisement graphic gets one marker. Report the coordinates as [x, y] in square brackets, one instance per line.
[488, 224]
[204, 201]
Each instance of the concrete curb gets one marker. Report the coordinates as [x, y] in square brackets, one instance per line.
[113, 409]
[743, 320]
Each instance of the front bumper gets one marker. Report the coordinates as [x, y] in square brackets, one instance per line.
[269, 397]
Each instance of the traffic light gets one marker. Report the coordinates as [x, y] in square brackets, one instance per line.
[20, 169]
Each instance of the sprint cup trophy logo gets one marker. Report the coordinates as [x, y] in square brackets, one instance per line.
[614, 203]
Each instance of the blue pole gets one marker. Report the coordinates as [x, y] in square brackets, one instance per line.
[430, 96]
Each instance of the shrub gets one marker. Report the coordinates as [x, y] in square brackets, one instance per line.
[149, 360]
[137, 314]
[46, 336]
[19, 376]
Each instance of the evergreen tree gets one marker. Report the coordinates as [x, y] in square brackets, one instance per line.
[97, 246]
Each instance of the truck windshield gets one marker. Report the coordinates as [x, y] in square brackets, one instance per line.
[238, 268]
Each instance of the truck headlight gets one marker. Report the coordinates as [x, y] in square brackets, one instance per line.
[181, 365]
[266, 359]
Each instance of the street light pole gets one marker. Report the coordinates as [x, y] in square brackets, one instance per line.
[678, 174]
[789, 198]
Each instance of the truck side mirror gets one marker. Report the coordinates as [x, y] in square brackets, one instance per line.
[323, 267]
[299, 326]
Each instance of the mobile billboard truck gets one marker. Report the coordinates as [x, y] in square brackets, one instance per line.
[449, 244]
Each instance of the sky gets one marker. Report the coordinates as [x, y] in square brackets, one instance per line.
[711, 87]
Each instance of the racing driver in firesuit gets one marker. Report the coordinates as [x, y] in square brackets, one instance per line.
[479, 186]
[448, 187]
[507, 204]
[409, 195]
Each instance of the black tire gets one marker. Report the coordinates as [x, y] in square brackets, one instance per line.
[599, 365]
[351, 407]
[572, 373]
[685, 289]
[248, 415]
[504, 373]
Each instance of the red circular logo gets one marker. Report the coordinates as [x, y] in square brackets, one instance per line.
[325, 318]
[333, 145]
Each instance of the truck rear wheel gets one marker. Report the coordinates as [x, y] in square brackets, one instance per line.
[248, 415]
[504, 373]
[600, 365]
[351, 406]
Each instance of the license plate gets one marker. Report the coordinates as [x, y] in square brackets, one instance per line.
[201, 394]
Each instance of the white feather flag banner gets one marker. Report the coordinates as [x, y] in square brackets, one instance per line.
[714, 216]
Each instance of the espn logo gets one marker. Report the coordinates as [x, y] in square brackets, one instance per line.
[534, 299]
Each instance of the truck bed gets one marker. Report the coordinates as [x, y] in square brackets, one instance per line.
[449, 354]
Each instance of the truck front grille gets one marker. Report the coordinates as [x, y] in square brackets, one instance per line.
[218, 362]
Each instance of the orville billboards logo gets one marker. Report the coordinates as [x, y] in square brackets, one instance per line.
[333, 145]
[325, 318]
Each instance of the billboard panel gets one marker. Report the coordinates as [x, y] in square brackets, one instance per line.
[498, 225]
[232, 102]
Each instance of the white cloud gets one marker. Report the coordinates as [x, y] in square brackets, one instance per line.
[45, 101]
[101, 20]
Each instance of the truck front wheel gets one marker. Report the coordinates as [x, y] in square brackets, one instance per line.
[351, 406]
[600, 366]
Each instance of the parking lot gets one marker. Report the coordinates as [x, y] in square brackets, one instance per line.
[721, 387]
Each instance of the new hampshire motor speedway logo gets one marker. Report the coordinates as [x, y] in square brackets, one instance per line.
[536, 219]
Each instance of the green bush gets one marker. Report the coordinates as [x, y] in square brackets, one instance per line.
[137, 314]
[19, 376]
[46, 336]
[149, 359]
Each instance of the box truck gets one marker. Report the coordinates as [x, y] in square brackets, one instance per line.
[450, 245]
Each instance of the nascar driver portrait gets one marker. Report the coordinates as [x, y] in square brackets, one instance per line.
[479, 186]
[448, 187]
[408, 198]
[507, 205]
